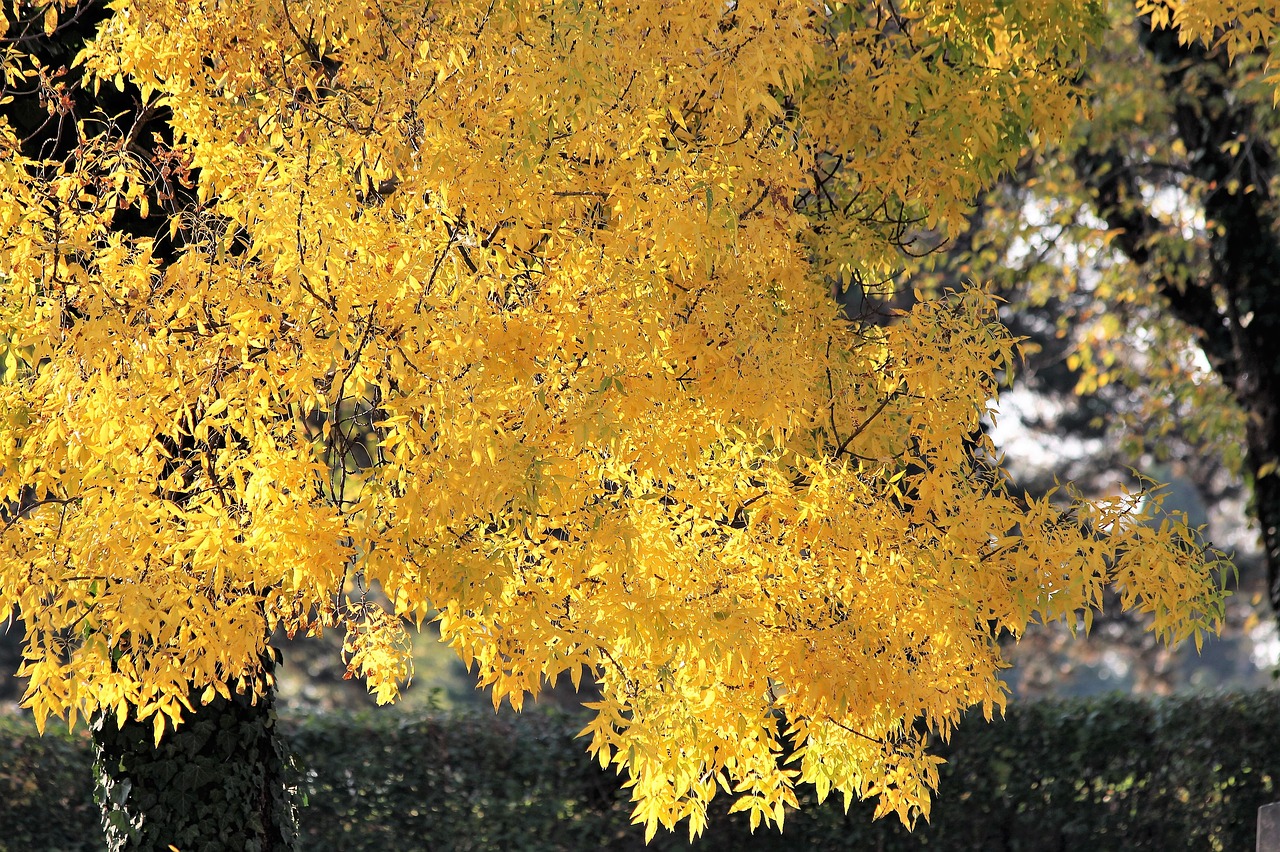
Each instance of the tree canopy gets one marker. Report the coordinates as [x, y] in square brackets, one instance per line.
[520, 311]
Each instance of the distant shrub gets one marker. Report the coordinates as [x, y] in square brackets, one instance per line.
[46, 789]
[1109, 774]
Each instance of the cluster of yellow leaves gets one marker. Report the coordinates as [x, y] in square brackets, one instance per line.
[1240, 27]
[564, 266]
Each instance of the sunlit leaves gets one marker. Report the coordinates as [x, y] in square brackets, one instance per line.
[518, 313]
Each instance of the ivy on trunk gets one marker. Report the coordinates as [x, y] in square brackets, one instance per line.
[218, 783]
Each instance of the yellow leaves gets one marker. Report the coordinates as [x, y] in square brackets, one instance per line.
[1240, 28]
[211, 691]
[532, 327]
[378, 648]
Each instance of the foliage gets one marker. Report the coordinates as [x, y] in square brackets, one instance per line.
[1237, 28]
[46, 785]
[519, 311]
[1150, 231]
[1110, 773]
[1042, 237]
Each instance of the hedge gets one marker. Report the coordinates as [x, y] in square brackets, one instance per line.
[1116, 773]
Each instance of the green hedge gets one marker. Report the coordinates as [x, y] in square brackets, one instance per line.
[1109, 774]
[46, 790]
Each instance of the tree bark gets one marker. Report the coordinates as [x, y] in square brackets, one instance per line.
[219, 783]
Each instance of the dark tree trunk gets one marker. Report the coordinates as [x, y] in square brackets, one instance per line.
[219, 783]
[1267, 498]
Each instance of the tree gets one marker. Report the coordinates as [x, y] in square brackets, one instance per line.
[520, 311]
[1152, 228]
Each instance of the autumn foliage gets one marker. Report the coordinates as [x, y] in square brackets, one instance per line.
[520, 312]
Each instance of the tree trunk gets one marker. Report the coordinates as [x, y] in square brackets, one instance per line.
[1264, 449]
[216, 784]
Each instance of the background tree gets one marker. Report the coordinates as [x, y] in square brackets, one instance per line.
[1149, 238]
[568, 266]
